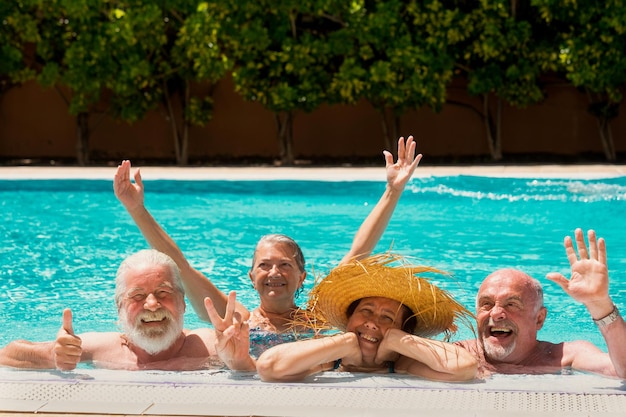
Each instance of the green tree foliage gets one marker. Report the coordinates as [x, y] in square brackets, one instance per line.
[397, 56]
[165, 50]
[282, 54]
[503, 57]
[591, 41]
[68, 54]
[198, 56]
[18, 35]
[136, 33]
[162, 50]
[78, 50]
[128, 57]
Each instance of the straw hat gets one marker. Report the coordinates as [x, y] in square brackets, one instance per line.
[435, 310]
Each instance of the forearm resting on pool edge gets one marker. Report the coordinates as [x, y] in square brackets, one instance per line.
[29, 355]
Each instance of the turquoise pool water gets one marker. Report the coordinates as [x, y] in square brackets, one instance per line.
[63, 239]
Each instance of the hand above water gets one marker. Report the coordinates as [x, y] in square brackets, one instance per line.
[232, 335]
[589, 283]
[130, 194]
[67, 348]
[400, 172]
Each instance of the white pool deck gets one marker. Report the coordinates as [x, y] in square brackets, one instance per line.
[223, 393]
[589, 171]
[226, 393]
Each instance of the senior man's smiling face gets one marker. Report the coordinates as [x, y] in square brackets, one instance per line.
[509, 313]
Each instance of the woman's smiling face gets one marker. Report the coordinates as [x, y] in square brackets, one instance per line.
[275, 273]
[371, 319]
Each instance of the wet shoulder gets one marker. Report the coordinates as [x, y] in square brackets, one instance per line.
[469, 344]
[94, 342]
[577, 348]
[547, 358]
[199, 342]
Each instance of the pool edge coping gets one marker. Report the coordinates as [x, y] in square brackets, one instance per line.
[585, 171]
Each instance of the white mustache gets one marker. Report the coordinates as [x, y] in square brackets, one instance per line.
[157, 315]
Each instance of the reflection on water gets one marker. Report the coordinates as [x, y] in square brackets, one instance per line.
[63, 239]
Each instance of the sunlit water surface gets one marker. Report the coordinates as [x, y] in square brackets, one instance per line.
[64, 239]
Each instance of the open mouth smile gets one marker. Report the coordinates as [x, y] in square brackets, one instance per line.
[154, 317]
[153, 320]
[368, 338]
[274, 284]
[500, 332]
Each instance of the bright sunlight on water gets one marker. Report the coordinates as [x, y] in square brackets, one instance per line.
[64, 239]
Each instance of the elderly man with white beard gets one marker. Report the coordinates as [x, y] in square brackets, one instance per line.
[510, 312]
[150, 299]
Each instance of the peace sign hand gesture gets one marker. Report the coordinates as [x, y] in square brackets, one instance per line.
[232, 335]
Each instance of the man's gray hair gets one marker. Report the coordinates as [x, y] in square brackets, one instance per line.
[538, 288]
[141, 259]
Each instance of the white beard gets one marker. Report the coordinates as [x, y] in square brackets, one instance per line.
[497, 352]
[153, 340]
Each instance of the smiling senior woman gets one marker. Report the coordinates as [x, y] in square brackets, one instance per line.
[386, 315]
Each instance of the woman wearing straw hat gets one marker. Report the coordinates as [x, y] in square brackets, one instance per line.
[278, 269]
[386, 315]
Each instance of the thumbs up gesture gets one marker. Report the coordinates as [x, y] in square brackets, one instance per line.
[67, 346]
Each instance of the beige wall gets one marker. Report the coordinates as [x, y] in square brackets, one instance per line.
[34, 123]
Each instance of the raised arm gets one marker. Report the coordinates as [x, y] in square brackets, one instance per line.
[64, 353]
[426, 358]
[374, 225]
[589, 284]
[197, 286]
[296, 360]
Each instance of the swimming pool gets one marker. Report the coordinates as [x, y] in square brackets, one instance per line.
[63, 239]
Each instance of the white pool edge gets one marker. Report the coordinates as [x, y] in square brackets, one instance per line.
[103, 392]
[587, 171]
